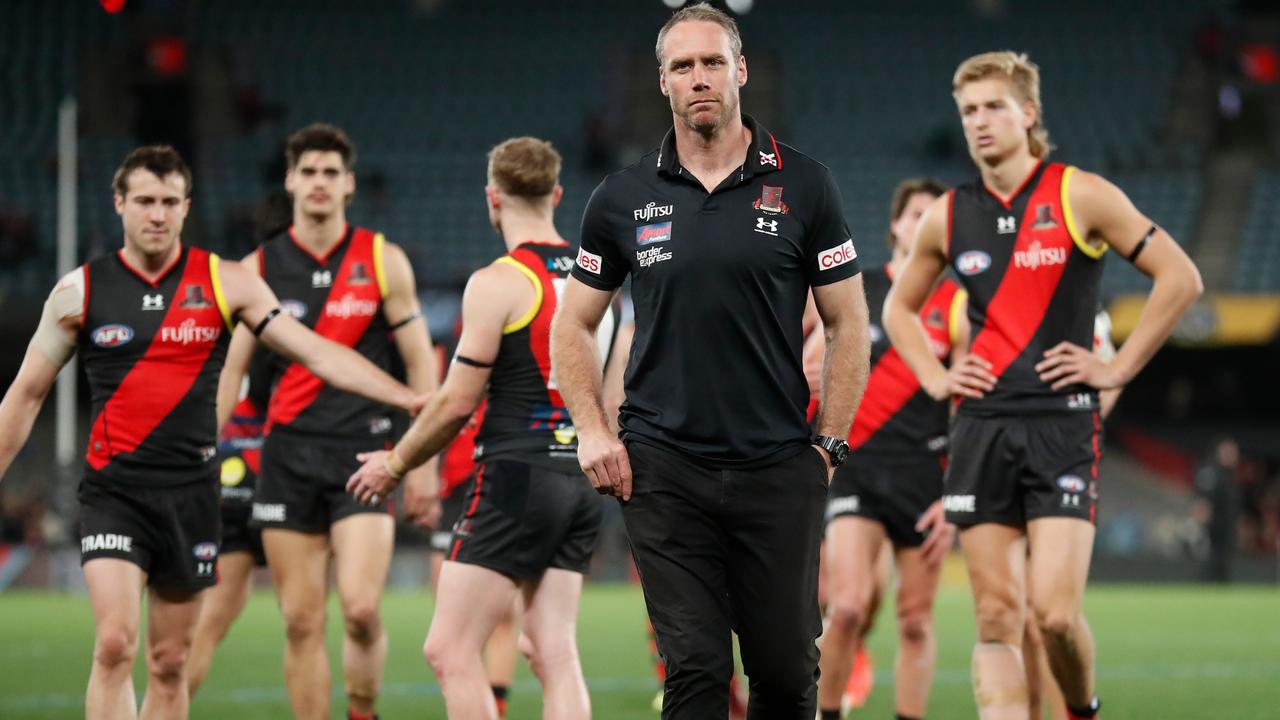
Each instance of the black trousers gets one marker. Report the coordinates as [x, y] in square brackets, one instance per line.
[730, 550]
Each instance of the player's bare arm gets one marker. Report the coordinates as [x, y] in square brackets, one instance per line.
[252, 302]
[614, 370]
[51, 347]
[1104, 214]
[494, 296]
[970, 377]
[413, 341]
[239, 356]
[846, 360]
[576, 359]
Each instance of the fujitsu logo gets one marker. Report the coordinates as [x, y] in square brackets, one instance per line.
[189, 332]
[1036, 256]
[653, 210]
[350, 306]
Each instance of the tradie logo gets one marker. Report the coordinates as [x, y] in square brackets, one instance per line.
[651, 211]
[153, 302]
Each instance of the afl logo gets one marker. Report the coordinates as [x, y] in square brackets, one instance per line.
[111, 336]
[293, 309]
[973, 262]
[1071, 484]
[205, 551]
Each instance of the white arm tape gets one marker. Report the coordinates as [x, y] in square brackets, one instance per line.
[65, 302]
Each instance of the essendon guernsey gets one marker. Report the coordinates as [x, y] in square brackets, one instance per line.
[340, 297]
[1032, 283]
[525, 417]
[896, 415]
[153, 351]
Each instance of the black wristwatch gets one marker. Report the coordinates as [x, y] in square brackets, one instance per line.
[838, 449]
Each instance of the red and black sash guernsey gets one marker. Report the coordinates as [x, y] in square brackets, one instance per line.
[153, 351]
[525, 417]
[896, 416]
[340, 297]
[1032, 283]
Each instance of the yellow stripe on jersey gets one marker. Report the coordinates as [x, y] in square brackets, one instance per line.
[1081, 242]
[959, 304]
[528, 317]
[218, 298]
[378, 242]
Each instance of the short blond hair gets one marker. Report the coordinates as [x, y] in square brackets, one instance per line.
[524, 167]
[702, 12]
[1023, 77]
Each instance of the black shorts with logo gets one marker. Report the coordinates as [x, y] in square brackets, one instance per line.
[171, 532]
[238, 485]
[521, 519]
[1014, 468]
[891, 490]
[303, 485]
[451, 510]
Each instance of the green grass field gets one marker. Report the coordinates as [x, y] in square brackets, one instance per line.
[1168, 653]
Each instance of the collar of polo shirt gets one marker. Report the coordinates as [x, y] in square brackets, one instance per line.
[762, 157]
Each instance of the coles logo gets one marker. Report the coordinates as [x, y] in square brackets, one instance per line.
[110, 336]
[293, 308]
[1071, 483]
[837, 256]
[649, 234]
[589, 261]
[205, 551]
[972, 262]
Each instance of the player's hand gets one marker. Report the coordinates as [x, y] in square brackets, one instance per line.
[1067, 364]
[416, 403]
[606, 464]
[939, 534]
[421, 501]
[970, 377]
[826, 458]
[373, 481]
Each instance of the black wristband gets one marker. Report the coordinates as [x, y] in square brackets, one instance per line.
[257, 330]
[1137, 250]
[406, 321]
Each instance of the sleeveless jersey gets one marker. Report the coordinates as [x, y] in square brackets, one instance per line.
[152, 351]
[240, 444]
[1032, 283]
[339, 296]
[896, 415]
[525, 417]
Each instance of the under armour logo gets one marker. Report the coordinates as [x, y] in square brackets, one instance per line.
[153, 302]
[1006, 225]
[766, 226]
[768, 158]
[321, 278]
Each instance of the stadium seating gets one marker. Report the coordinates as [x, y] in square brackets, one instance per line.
[1258, 259]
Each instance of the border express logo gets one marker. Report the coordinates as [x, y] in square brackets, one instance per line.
[650, 234]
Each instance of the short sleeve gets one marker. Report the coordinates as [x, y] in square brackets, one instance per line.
[600, 262]
[831, 256]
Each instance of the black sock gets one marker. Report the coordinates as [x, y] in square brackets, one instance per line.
[500, 691]
[830, 714]
[1086, 712]
[900, 716]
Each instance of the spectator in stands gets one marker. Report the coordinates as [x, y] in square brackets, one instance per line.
[1217, 507]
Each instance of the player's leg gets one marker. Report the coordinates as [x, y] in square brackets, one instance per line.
[362, 546]
[500, 655]
[995, 555]
[1042, 689]
[299, 563]
[1059, 568]
[222, 605]
[917, 648]
[852, 546]
[115, 593]
[551, 622]
[469, 602]
[171, 623]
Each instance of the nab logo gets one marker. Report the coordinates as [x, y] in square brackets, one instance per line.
[153, 302]
[589, 261]
[321, 279]
[972, 262]
[1006, 225]
[111, 336]
[837, 256]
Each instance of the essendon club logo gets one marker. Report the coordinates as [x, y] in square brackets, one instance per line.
[111, 336]
[771, 201]
[1044, 218]
[359, 274]
[195, 298]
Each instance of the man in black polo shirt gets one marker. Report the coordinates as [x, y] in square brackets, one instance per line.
[723, 231]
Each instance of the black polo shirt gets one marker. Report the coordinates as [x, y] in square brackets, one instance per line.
[719, 282]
